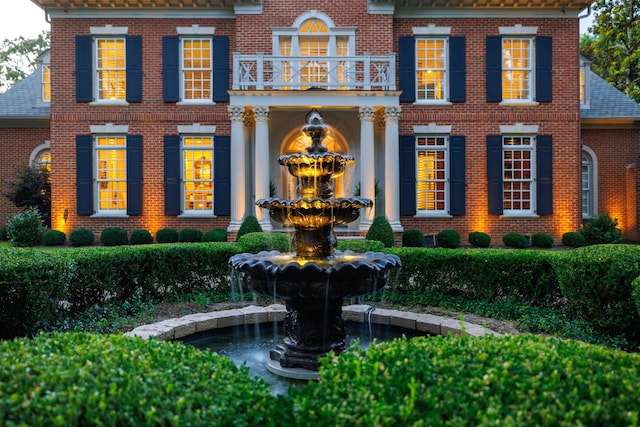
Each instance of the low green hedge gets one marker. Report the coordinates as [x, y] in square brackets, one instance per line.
[91, 380]
[452, 381]
[264, 241]
[360, 245]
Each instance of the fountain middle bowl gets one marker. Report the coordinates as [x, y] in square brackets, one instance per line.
[316, 212]
[288, 277]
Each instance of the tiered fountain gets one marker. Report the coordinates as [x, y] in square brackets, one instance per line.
[315, 280]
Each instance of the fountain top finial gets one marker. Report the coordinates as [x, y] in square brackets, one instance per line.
[316, 130]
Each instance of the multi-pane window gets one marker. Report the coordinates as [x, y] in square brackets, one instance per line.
[587, 185]
[43, 159]
[517, 69]
[46, 83]
[197, 75]
[518, 174]
[431, 69]
[197, 166]
[431, 174]
[111, 69]
[111, 172]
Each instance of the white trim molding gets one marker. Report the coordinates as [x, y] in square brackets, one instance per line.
[518, 30]
[108, 30]
[109, 128]
[195, 30]
[519, 128]
[432, 128]
[196, 128]
[431, 30]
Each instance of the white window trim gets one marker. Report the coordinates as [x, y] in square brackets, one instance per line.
[109, 30]
[594, 183]
[196, 30]
[431, 30]
[191, 102]
[447, 75]
[195, 130]
[440, 213]
[96, 89]
[109, 129]
[585, 67]
[531, 212]
[518, 30]
[530, 101]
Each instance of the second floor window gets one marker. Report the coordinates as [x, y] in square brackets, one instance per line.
[431, 69]
[197, 69]
[197, 169]
[517, 71]
[111, 173]
[46, 83]
[111, 69]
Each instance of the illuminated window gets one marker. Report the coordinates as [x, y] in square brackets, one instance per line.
[431, 174]
[431, 69]
[589, 180]
[517, 69]
[46, 83]
[518, 174]
[43, 159]
[111, 69]
[197, 169]
[197, 77]
[111, 179]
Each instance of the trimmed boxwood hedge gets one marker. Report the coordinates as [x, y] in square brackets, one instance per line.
[264, 241]
[519, 380]
[360, 245]
[91, 380]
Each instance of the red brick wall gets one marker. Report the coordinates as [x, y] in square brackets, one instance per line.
[16, 145]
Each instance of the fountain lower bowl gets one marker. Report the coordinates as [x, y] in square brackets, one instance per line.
[283, 275]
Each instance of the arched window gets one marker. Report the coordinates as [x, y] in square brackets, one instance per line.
[589, 183]
[41, 156]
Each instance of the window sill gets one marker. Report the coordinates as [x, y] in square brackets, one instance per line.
[519, 104]
[433, 216]
[432, 104]
[194, 103]
[519, 216]
[109, 103]
[109, 215]
[196, 215]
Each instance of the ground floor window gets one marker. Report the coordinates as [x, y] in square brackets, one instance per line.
[111, 173]
[518, 174]
[431, 174]
[197, 168]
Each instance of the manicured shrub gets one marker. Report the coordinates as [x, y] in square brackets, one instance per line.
[596, 280]
[25, 228]
[360, 245]
[263, 241]
[601, 229]
[515, 240]
[96, 380]
[190, 235]
[635, 292]
[412, 239]
[573, 239]
[3, 234]
[250, 224]
[81, 237]
[542, 240]
[53, 238]
[478, 239]
[448, 239]
[167, 235]
[521, 380]
[114, 236]
[217, 235]
[381, 231]
[141, 237]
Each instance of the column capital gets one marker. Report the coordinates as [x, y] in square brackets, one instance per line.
[236, 114]
[366, 114]
[392, 114]
[261, 113]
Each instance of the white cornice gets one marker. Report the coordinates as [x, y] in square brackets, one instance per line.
[328, 98]
[485, 13]
[144, 14]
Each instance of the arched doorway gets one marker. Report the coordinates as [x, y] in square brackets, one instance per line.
[296, 142]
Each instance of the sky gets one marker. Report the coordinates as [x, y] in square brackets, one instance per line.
[24, 18]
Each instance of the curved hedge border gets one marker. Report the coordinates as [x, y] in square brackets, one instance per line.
[513, 380]
[83, 379]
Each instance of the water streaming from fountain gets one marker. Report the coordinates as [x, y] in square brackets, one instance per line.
[315, 280]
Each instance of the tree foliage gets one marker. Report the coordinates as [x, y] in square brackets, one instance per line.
[614, 44]
[18, 58]
[31, 187]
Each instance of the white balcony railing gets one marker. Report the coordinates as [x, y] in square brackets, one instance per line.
[263, 72]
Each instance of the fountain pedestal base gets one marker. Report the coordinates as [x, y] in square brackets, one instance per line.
[313, 328]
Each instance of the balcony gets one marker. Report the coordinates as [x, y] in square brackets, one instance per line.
[263, 72]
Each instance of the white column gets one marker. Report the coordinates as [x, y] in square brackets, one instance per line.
[392, 168]
[261, 183]
[367, 165]
[238, 171]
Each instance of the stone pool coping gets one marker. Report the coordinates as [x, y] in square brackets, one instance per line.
[176, 328]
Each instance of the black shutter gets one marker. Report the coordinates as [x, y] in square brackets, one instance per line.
[170, 68]
[544, 69]
[494, 174]
[494, 68]
[407, 168]
[172, 202]
[544, 175]
[457, 182]
[134, 175]
[84, 69]
[84, 174]
[134, 69]
[220, 68]
[407, 68]
[222, 175]
[458, 66]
